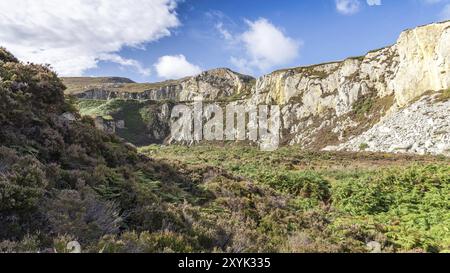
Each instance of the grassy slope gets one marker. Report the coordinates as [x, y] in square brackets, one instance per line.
[398, 200]
[80, 84]
[64, 180]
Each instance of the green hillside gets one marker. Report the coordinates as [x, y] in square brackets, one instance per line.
[63, 180]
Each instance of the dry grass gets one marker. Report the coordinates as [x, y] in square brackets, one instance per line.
[443, 96]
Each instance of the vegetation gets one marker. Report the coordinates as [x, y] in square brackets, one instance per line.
[363, 146]
[139, 117]
[349, 199]
[62, 180]
[444, 95]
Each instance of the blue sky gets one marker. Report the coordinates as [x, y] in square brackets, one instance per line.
[198, 35]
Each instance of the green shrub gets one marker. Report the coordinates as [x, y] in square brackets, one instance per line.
[360, 196]
[411, 203]
[5, 56]
[28, 244]
[363, 146]
[82, 216]
[303, 184]
[22, 181]
[145, 242]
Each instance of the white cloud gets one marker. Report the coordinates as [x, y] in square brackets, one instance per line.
[73, 35]
[374, 2]
[224, 32]
[266, 46]
[347, 7]
[126, 62]
[175, 67]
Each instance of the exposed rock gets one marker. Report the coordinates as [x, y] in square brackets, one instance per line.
[68, 117]
[374, 247]
[362, 101]
[105, 125]
[212, 85]
[330, 103]
[421, 128]
[424, 62]
[418, 62]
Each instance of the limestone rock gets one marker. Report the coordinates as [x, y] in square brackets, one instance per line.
[210, 85]
[421, 128]
[370, 101]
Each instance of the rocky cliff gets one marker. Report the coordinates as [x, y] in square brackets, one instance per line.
[216, 84]
[330, 106]
[331, 103]
[418, 62]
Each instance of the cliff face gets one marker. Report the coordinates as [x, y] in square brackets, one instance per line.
[212, 85]
[424, 62]
[331, 103]
[326, 105]
[418, 62]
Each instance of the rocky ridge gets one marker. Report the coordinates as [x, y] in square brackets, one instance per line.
[212, 85]
[333, 105]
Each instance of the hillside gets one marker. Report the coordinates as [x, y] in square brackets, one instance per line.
[334, 106]
[63, 180]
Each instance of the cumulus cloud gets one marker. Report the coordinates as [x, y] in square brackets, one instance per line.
[266, 46]
[74, 35]
[347, 7]
[175, 67]
[126, 63]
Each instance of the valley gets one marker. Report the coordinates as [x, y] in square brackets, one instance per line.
[363, 163]
[393, 99]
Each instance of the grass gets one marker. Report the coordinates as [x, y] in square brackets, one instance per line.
[247, 161]
[443, 96]
[400, 201]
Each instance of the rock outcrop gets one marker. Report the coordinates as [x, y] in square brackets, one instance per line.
[336, 105]
[216, 84]
[422, 128]
[331, 103]
[418, 62]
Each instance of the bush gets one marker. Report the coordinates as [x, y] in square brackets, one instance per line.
[360, 196]
[363, 146]
[411, 204]
[29, 244]
[82, 216]
[145, 242]
[304, 184]
[5, 56]
[22, 181]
